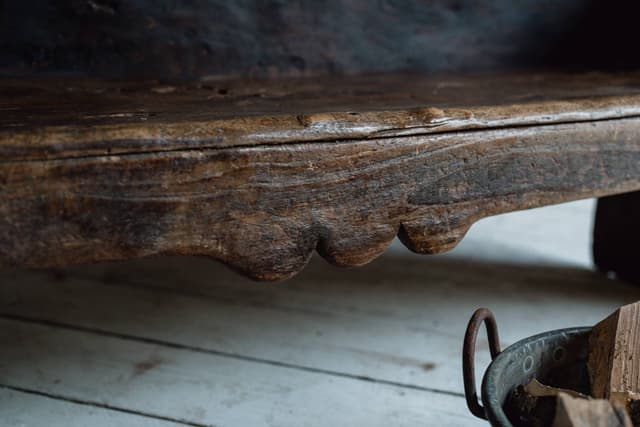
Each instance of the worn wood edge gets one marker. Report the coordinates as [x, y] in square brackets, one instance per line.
[263, 210]
[613, 343]
[81, 140]
[602, 340]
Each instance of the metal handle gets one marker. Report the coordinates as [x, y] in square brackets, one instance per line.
[469, 352]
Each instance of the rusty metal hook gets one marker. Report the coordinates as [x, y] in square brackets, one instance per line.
[469, 352]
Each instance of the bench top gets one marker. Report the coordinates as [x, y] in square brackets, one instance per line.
[65, 118]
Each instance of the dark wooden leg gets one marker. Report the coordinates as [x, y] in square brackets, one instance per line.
[616, 235]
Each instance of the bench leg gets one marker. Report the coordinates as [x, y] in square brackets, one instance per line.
[616, 236]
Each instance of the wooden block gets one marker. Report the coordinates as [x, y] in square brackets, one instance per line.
[613, 344]
[577, 412]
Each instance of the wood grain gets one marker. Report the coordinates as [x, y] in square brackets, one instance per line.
[201, 389]
[613, 347]
[578, 412]
[262, 197]
[321, 319]
[20, 408]
[64, 118]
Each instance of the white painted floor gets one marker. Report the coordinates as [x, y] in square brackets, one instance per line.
[184, 341]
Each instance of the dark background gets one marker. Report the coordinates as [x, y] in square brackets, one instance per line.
[186, 39]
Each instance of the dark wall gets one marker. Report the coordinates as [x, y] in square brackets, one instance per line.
[183, 39]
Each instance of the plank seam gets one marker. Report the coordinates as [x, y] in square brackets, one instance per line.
[184, 347]
[100, 405]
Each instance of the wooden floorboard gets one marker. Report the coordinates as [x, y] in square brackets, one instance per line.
[185, 339]
[397, 320]
[203, 389]
[26, 408]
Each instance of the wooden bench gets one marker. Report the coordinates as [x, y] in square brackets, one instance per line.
[257, 158]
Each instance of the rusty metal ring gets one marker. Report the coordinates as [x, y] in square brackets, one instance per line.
[468, 356]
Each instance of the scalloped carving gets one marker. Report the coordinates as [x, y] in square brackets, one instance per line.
[263, 210]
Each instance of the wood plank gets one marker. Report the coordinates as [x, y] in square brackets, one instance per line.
[62, 118]
[264, 210]
[397, 320]
[20, 409]
[203, 388]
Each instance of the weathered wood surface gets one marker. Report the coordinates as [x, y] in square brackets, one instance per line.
[199, 389]
[62, 118]
[28, 408]
[322, 320]
[578, 412]
[388, 334]
[102, 173]
[614, 344]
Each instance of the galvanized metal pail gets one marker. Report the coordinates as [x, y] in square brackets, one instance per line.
[557, 358]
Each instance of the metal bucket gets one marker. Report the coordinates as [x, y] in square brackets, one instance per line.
[557, 358]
